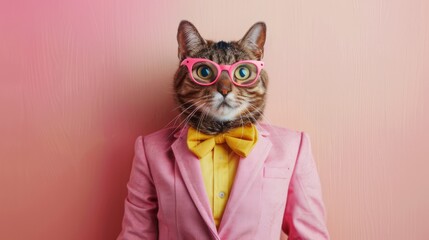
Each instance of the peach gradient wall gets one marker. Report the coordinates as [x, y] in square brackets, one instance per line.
[80, 80]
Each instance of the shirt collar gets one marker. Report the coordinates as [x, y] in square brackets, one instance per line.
[181, 132]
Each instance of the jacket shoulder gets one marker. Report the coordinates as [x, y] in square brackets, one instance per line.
[285, 138]
[162, 137]
[277, 131]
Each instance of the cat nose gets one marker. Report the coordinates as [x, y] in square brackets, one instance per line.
[224, 92]
[224, 86]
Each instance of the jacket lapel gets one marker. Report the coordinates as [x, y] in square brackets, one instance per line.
[247, 173]
[189, 167]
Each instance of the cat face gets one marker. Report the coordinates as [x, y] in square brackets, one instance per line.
[217, 107]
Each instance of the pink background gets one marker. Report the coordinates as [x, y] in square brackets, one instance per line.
[80, 80]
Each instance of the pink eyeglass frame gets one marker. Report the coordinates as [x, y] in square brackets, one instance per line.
[189, 63]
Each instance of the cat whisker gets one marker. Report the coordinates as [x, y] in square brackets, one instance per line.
[193, 105]
[265, 118]
[182, 112]
[254, 108]
[205, 113]
[262, 115]
[250, 117]
[188, 118]
[184, 120]
[191, 100]
[242, 125]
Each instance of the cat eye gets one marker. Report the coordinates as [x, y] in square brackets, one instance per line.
[242, 73]
[206, 72]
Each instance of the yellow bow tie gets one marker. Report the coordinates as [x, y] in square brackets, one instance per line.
[241, 140]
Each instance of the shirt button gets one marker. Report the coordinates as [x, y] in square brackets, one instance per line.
[221, 194]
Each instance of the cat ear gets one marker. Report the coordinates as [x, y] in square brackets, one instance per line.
[190, 41]
[254, 39]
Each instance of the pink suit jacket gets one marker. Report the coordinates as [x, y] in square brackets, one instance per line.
[276, 188]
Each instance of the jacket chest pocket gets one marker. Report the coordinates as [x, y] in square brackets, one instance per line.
[275, 185]
[277, 172]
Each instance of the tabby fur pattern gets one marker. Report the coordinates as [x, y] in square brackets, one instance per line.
[208, 108]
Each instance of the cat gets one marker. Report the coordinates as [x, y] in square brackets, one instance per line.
[220, 86]
[222, 106]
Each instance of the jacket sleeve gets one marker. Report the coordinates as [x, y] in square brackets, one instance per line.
[304, 217]
[141, 205]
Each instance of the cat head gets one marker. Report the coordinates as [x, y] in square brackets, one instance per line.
[211, 98]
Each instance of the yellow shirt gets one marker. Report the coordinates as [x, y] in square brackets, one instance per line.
[218, 169]
[219, 156]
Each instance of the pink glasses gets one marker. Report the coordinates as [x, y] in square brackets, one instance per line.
[205, 72]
